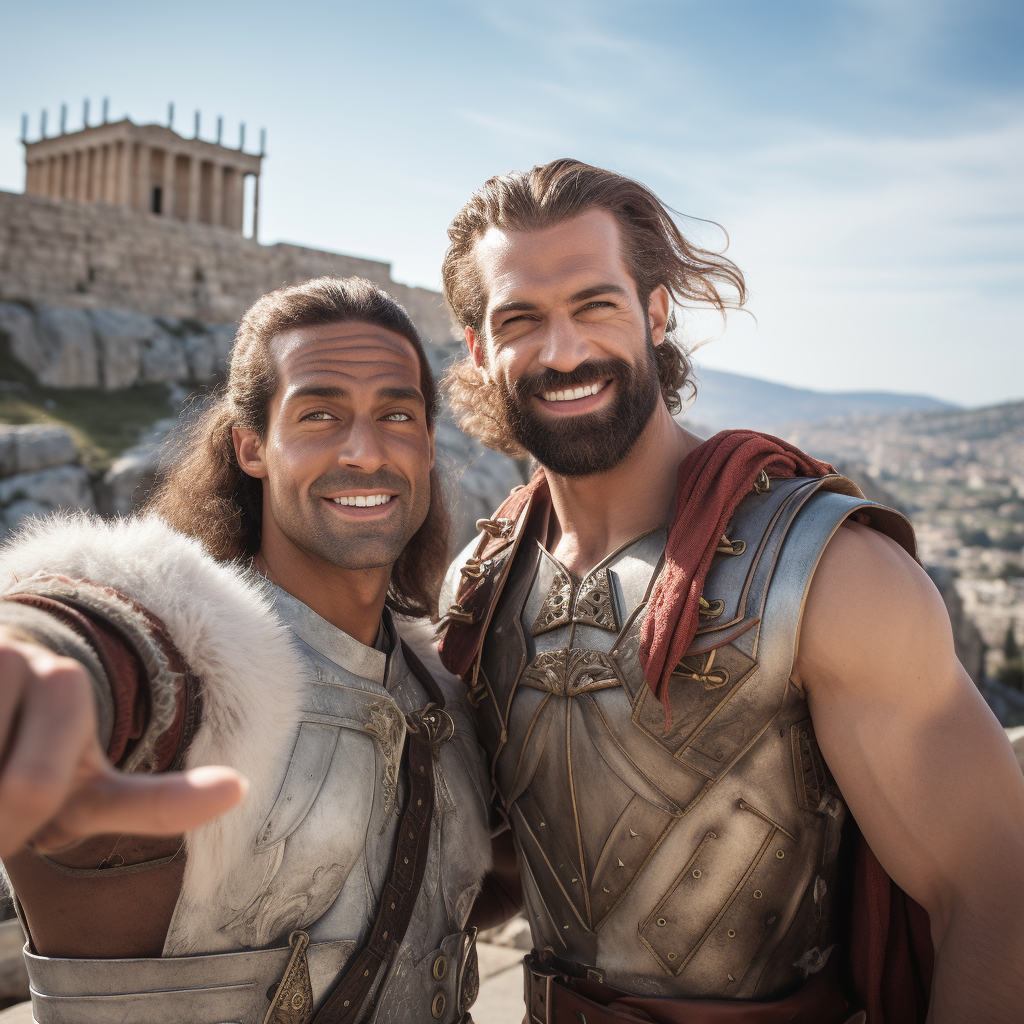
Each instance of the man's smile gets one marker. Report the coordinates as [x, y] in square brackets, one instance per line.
[365, 505]
[574, 401]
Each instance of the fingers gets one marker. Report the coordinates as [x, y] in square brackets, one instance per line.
[52, 723]
[157, 805]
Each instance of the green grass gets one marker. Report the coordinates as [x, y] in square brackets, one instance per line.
[103, 423]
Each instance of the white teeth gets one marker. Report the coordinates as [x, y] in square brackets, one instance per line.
[363, 500]
[572, 393]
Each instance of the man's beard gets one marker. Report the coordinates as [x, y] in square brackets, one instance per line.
[590, 442]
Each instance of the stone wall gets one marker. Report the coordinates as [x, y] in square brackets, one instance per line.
[60, 252]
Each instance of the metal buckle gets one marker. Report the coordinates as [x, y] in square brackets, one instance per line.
[458, 614]
[495, 527]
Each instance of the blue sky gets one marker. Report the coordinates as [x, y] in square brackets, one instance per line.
[865, 156]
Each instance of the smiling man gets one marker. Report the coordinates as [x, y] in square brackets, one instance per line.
[246, 621]
[703, 670]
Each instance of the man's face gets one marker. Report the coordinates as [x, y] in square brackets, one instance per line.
[347, 457]
[568, 343]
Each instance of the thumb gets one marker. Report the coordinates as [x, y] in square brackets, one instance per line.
[154, 805]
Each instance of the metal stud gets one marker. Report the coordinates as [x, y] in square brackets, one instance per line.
[758, 894]
[440, 968]
[437, 1006]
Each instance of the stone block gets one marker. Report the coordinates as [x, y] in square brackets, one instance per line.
[120, 335]
[19, 325]
[67, 347]
[38, 494]
[201, 355]
[35, 446]
[223, 339]
[163, 357]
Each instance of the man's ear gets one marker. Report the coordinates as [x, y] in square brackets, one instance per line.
[476, 348]
[658, 308]
[249, 452]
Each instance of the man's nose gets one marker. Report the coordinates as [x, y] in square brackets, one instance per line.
[564, 346]
[361, 448]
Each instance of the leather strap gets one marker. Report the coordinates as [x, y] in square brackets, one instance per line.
[399, 897]
[553, 998]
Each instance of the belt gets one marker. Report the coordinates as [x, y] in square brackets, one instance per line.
[556, 998]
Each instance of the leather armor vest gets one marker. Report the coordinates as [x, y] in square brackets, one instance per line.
[693, 859]
[319, 863]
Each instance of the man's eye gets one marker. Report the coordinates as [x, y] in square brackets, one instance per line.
[397, 417]
[318, 416]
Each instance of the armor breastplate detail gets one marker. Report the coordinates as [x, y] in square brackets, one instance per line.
[694, 857]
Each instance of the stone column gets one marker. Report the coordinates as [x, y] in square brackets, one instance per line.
[92, 175]
[256, 210]
[193, 189]
[167, 205]
[142, 179]
[217, 199]
[123, 195]
[51, 177]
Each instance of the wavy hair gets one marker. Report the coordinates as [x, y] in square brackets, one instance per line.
[206, 495]
[654, 249]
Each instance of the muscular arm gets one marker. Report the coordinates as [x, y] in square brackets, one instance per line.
[922, 763]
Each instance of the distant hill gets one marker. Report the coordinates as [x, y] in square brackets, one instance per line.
[726, 400]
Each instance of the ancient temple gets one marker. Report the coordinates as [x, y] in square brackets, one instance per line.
[148, 167]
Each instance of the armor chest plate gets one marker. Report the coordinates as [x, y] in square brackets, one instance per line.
[692, 858]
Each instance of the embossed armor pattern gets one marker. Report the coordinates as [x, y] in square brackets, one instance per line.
[697, 860]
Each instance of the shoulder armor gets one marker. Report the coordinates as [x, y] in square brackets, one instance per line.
[737, 585]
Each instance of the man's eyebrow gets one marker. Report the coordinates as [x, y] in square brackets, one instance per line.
[507, 307]
[599, 289]
[400, 394]
[318, 391]
[330, 391]
[519, 306]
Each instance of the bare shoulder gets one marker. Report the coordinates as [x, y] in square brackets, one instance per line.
[869, 605]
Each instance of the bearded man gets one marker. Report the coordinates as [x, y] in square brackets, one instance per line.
[701, 667]
[249, 621]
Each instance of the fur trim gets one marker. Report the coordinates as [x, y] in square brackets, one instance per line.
[223, 624]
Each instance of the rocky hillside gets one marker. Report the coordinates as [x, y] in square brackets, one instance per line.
[959, 475]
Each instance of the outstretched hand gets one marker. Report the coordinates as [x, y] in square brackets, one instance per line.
[56, 784]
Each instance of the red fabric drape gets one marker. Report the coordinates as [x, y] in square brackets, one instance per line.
[712, 480]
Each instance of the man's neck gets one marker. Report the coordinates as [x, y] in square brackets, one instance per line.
[350, 599]
[596, 515]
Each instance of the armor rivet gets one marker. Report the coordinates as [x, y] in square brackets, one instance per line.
[366, 974]
[406, 860]
[440, 968]
[392, 906]
[780, 854]
[298, 1000]
[385, 935]
[696, 872]
[730, 977]
[671, 956]
[575, 879]
[437, 1006]
[347, 1001]
[606, 889]
[803, 734]
[758, 894]
[419, 803]
[731, 933]
[719, 754]
[662, 922]
[543, 823]
[621, 865]
[565, 927]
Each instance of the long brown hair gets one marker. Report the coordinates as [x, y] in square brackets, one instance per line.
[654, 249]
[206, 495]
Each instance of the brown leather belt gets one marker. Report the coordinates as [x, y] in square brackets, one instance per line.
[556, 998]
